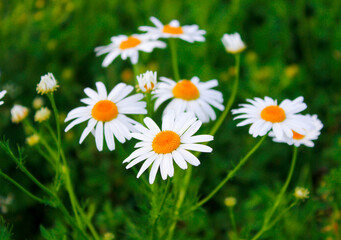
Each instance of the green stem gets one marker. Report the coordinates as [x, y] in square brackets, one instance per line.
[233, 222]
[56, 115]
[149, 104]
[230, 101]
[42, 140]
[172, 44]
[279, 216]
[285, 186]
[163, 200]
[229, 175]
[136, 73]
[266, 225]
[22, 188]
[181, 198]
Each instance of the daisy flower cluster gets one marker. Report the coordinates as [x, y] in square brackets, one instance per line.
[281, 121]
[130, 46]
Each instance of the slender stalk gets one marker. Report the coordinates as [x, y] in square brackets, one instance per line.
[4, 175]
[163, 200]
[42, 140]
[56, 115]
[181, 198]
[233, 222]
[279, 216]
[136, 73]
[229, 175]
[266, 225]
[285, 186]
[172, 43]
[148, 96]
[230, 101]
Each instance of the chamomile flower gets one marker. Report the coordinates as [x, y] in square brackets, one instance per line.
[190, 96]
[233, 43]
[42, 115]
[32, 140]
[19, 113]
[107, 113]
[47, 84]
[2, 94]
[189, 33]
[147, 81]
[301, 193]
[264, 115]
[160, 147]
[128, 46]
[306, 138]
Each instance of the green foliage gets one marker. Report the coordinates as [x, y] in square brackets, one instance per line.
[293, 50]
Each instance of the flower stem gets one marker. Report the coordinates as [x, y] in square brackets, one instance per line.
[4, 175]
[136, 73]
[181, 198]
[172, 43]
[229, 175]
[230, 101]
[233, 222]
[56, 115]
[160, 208]
[266, 225]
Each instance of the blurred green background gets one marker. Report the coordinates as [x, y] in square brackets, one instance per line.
[293, 49]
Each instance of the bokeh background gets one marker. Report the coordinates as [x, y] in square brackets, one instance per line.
[293, 49]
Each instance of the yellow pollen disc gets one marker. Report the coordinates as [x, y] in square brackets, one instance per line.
[130, 43]
[186, 90]
[166, 142]
[172, 30]
[104, 111]
[297, 136]
[273, 114]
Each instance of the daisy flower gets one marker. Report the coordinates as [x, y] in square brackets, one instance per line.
[189, 33]
[106, 113]
[264, 115]
[19, 113]
[159, 148]
[233, 43]
[147, 81]
[190, 96]
[47, 84]
[128, 46]
[306, 138]
[42, 115]
[2, 94]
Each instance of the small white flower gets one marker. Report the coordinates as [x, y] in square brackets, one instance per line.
[47, 84]
[128, 46]
[264, 115]
[189, 33]
[233, 43]
[19, 113]
[190, 96]
[160, 148]
[2, 94]
[32, 140]
[306, 138]
[147, 81]
[106, 113]
[42, 114]
[301, 193]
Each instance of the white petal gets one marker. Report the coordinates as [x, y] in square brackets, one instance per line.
[99, 136]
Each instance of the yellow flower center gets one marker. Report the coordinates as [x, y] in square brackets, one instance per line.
[297, 136]
[273, 114]
[130, 43]
[172, 30]
[104, 111]
[166, 142]
[151, 87]
[186, 90]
